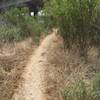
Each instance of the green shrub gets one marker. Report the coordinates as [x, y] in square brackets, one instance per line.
[21, 18]
[75, 20]
[9, 34]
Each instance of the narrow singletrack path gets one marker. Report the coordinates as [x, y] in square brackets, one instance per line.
[42, 78]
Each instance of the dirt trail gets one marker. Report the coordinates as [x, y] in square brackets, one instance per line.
[41, 75]
[42, 78]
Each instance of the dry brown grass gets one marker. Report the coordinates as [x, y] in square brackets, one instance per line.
[49, 71]
[12, 63]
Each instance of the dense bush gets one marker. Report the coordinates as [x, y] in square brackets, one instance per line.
[75, 19]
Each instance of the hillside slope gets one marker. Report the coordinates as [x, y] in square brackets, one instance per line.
[42, 74]
[50, 69]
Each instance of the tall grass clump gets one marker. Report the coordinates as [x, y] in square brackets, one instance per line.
[76, 20]
[9, 34]
[82, 91]
[75, 92]
[19, 25]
